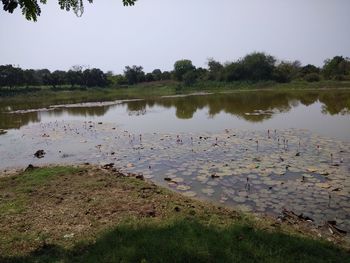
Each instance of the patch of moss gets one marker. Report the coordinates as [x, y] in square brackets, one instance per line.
[40, 176]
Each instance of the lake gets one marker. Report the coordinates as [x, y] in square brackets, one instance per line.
[261, 151]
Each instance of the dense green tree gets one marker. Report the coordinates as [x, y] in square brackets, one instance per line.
[233, 72]
[57, 78]
[74, 77]
[166, 75]
[31, 8]
[181, 67]
[201, 73]
[41, 74]
[189, 78]
[120, 79]
[286, 71]
[336, 68]
[215, 70]
[308, 69]
[258, 66]
[31, 78]
[157, 74]
[11, 76]
[134, 74]
[149, 77]
[94, 78]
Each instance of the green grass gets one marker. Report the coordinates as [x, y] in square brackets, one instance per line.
[190, 240]
[35, 177]
[25, 183]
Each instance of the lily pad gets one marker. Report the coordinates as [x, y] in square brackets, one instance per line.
[183, 187]
[189, 194]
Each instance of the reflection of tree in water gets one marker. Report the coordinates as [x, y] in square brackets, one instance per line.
[80, 111]
[335, 103]
[308, 98]
[246, 104]
[185, 109]
[136, 108]
[17, 120]
[238, 104]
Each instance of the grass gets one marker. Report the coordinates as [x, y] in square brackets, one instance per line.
[108, 215]
[36, 177]
[190, 241]
[24, 184]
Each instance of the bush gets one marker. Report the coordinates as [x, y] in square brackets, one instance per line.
[312, 77]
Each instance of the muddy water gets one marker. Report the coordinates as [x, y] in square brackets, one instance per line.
[323, 112]
[261, 151]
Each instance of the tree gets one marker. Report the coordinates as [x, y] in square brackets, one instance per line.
[134, 74]
[215, 70]
[74, 77]
[286, 71]
[30, 77]
[57, 78]
[157, 74]
[31, 8]
[337, 67]
[94, 78]
[166, 75]
[258, 66]
[189, 78]
[308, 69]
[181, 67]
[201, 73]
[42, 74]
[149, 77]
[11, 76]
[233, 72]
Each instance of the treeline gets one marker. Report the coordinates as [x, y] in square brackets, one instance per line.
[11, 76]
[256, 67]
[253, 67]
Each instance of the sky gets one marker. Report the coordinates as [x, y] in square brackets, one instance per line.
[156, 33]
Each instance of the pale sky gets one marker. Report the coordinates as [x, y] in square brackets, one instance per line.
[156, 33]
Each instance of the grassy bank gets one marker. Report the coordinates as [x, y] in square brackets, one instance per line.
[47, 96]
[86, 214]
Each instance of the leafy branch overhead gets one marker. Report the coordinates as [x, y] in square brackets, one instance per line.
[31, 8]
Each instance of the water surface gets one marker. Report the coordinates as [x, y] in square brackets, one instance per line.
[324, 112]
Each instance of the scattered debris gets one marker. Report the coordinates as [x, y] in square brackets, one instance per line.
[39, 154]
[108, 166]
[333, 229]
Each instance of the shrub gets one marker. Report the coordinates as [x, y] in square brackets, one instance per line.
[312, 77]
